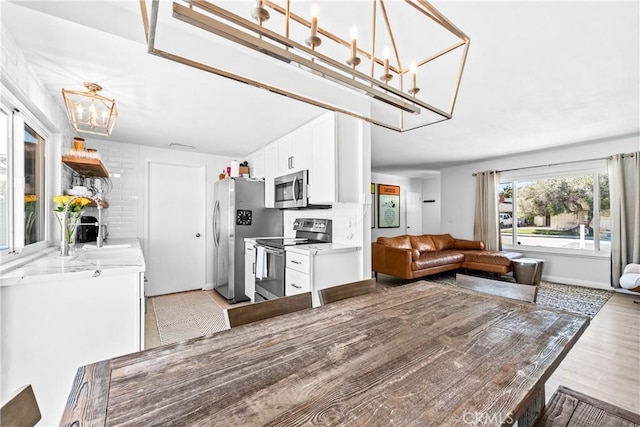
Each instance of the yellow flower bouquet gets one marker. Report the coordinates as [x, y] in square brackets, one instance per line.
[74, 212]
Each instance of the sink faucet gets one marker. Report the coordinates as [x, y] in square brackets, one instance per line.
[64, 246]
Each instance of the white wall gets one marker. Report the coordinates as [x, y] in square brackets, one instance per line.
[431, 210]
[22, 89]
[126, 164]
[458, 202]
[406, 184]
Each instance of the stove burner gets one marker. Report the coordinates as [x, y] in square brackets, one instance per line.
[286, 241]
[308, 231]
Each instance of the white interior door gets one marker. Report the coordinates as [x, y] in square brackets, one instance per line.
[175, 228]
[414, 213]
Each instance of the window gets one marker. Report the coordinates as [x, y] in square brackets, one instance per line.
[22, 183]
[33, 186]
[563, 210]
[5, 195]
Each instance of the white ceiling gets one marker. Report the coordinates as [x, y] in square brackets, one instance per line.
[538, 75]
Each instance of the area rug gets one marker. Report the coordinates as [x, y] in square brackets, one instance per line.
[576, 299]
[187, 315]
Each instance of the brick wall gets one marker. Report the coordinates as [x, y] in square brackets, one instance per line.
[122, 161]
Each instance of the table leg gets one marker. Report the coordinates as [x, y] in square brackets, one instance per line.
[534, 409]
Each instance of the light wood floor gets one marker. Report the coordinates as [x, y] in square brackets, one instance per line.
[604, 363]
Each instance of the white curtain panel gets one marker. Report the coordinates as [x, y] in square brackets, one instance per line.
[624, 194]
[485, 225]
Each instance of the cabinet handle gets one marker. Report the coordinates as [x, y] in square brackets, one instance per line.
[296, 286]
[293, 261]
[292, 165]
[254, 268]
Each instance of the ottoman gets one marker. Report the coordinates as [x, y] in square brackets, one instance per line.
[490, 261]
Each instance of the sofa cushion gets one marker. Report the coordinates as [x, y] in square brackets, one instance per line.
[397, 242]
[436, 259]
[487, 257]
[469, 244]
[443, 241]
[422, 243]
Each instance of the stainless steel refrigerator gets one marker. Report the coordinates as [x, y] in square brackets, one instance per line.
[238, 213]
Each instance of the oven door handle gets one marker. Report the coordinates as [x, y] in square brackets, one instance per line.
[279, 252]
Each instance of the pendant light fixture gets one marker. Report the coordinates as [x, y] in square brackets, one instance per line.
[90, 112]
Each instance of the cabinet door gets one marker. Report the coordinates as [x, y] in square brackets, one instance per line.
[256, 164]
[299, 262]
[302, 145]
[270, 172]
[285, 155]
[250, 276]
[296, 282]
[322, 174]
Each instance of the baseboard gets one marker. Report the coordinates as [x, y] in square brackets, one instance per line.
[208, 286]
[574, 282]
[626, 291]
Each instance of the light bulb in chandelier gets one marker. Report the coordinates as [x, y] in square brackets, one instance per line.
[354, 61]
[259, 13]
[313, 40]
[414, 74]
[386, 76]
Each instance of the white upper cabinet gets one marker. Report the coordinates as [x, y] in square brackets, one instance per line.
[270, 172]
[330, 147]
[256, 164]
[285, 154]
[322, 174]
[294, 151]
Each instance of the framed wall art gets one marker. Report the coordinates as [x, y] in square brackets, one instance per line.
[373, 205]
[388, 206]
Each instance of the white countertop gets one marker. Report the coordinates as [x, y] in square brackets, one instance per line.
[322, 248]
[253, 239]
[117, 256]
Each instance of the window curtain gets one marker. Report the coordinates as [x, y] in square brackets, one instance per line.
[485, 225]
[624, 194]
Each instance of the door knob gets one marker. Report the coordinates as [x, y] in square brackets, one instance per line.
[197, 234]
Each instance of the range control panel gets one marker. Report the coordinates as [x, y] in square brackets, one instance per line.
[312, 225]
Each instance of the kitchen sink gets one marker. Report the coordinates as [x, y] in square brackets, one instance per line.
[106, 246]
[123, 254]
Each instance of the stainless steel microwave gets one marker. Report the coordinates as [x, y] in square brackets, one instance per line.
[291, 192]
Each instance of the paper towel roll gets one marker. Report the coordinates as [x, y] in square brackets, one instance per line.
[235, 168]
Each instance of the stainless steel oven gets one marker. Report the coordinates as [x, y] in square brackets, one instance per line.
[270, 269]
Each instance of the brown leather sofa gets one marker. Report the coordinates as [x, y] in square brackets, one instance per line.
[410, 257]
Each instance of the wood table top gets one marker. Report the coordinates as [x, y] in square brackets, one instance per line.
[420, 354]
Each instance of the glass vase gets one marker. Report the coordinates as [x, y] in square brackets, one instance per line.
[68, 235]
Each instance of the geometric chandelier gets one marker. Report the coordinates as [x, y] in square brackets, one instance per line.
[396, 64]
[90, 112]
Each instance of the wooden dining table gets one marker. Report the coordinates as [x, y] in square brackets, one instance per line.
[420, 354]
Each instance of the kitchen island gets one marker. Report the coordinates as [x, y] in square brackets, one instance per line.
[60, 312]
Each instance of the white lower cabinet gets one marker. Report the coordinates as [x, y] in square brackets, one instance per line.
[313, 270]
[250, 270]
[296, 282]
[57, 323]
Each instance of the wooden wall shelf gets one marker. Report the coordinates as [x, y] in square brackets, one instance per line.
[103, 203]
[86, 167]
